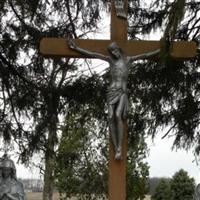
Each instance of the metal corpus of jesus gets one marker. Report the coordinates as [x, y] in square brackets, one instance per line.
[117, 92]
[118, 52]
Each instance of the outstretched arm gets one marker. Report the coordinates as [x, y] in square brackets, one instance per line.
[145, 55]
[73, 46]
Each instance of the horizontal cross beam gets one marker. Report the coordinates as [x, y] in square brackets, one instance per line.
[58, 47]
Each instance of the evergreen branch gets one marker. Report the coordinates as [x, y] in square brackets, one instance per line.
[70, 19]
[64, 73]
[13, 108]
[169, 131]
[193, 26]
[31, 30]
[16, 73]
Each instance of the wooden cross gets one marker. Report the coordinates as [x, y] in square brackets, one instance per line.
[57, 47]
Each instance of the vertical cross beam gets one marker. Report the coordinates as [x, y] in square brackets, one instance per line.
[117, 168]
[118, 25]
[117, 171]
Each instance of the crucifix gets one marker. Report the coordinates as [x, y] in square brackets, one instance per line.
[118, 51]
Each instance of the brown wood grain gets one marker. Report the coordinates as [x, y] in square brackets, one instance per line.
[58, 47]
[117, 171]
[118, 26]
[117, 168]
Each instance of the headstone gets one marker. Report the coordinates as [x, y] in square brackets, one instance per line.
[10, 187]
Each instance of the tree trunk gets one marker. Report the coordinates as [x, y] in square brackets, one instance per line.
[50, 160]
[49, 170]
[48, 180]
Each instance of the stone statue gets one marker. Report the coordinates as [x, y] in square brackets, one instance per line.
[197, 193]
[117, 92]
[10, 187]
[120, 10]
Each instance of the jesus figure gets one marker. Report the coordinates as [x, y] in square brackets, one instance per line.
[117, 92]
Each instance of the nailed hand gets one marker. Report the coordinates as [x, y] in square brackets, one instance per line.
[71, 44]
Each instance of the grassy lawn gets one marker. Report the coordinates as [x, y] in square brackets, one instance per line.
[38, 196]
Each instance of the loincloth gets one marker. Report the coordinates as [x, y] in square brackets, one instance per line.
[113, 97]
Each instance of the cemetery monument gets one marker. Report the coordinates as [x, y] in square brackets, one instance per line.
[10, 187]
[119, 52]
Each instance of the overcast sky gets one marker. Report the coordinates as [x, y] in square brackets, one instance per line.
[165, 162]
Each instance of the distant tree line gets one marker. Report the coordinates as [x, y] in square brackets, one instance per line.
[154, 182]
[179, 187]
[32, 185]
